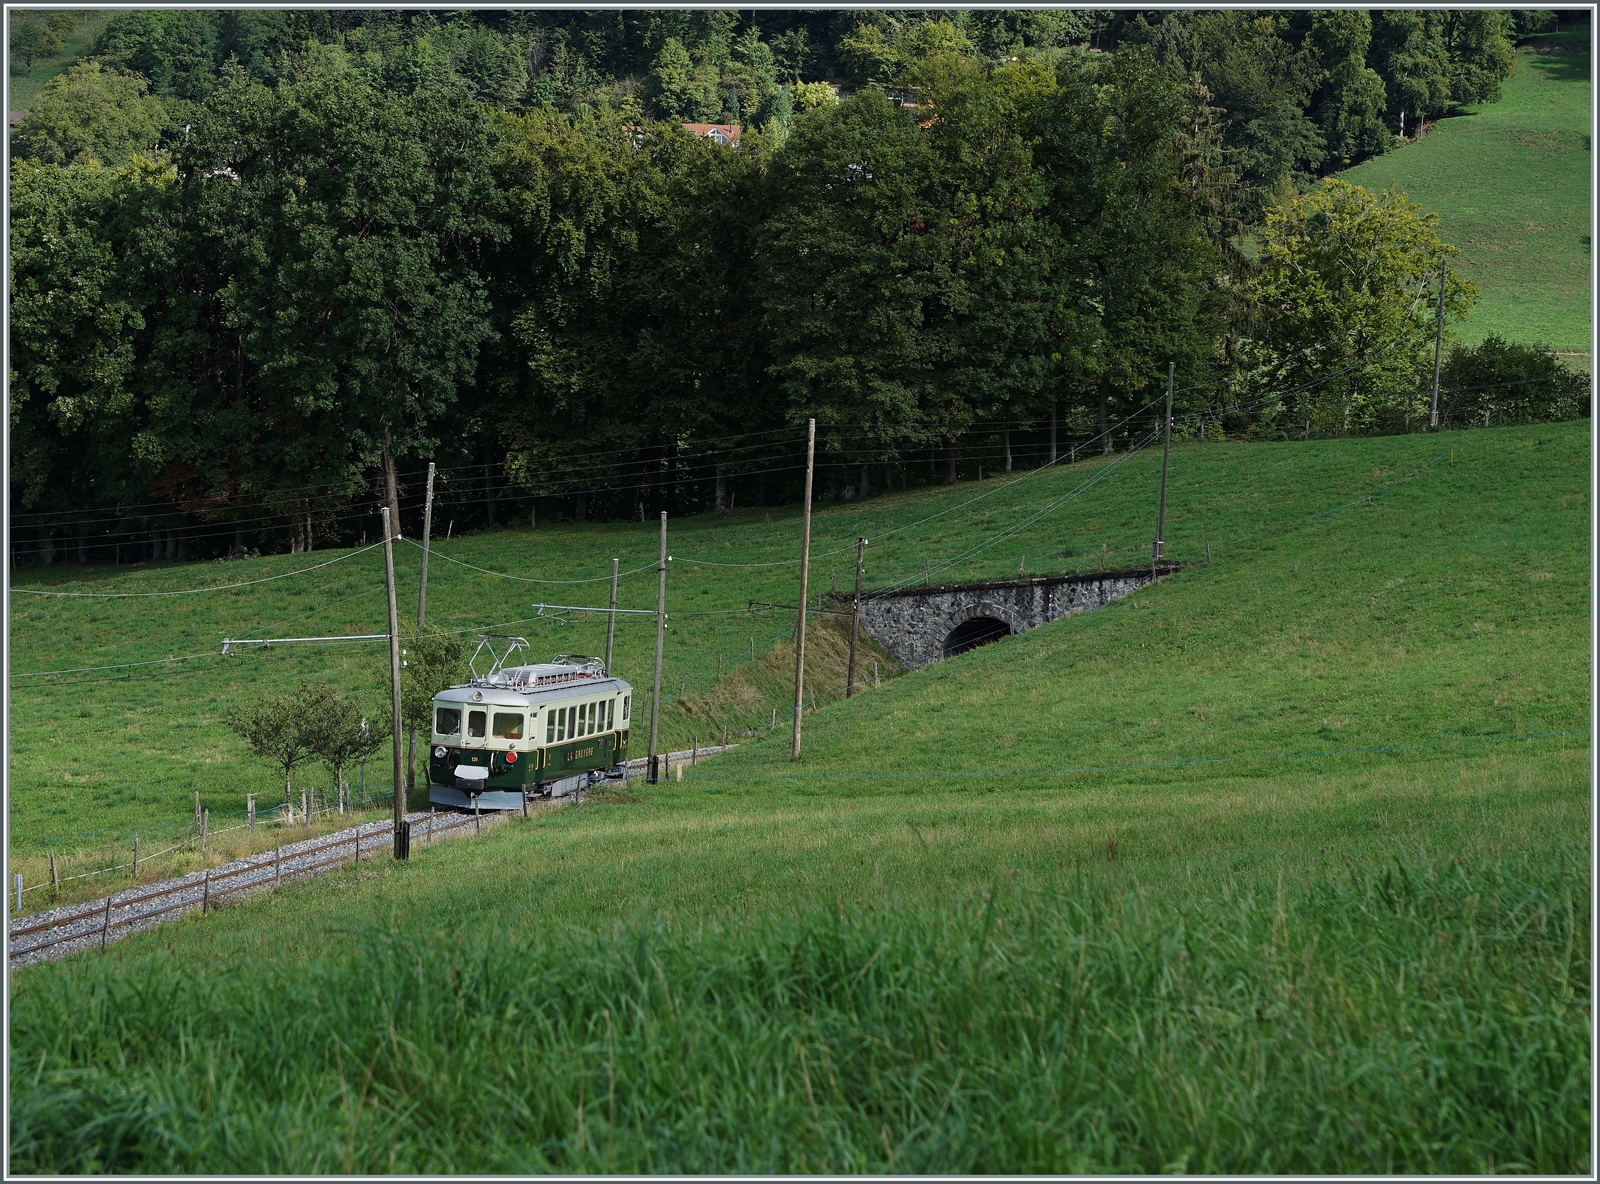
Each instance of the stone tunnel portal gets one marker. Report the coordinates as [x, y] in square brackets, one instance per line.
[969, 635]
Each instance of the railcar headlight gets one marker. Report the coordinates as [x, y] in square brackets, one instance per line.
[439, 752]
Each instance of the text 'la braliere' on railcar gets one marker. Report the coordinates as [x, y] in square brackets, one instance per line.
[519, 732]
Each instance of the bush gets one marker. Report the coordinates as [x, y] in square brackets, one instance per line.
[1509, 384]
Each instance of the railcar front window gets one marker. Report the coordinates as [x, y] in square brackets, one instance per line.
[508, 725]
[447, 721]
[475, 721]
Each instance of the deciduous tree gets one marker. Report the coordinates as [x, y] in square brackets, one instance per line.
[282, 728]
[90, 112]
[339, 734]
[1347, 292]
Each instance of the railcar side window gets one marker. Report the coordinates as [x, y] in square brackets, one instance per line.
[508, 725]
[475, 721]
[447, 721]
[627, 701]
[593, 709]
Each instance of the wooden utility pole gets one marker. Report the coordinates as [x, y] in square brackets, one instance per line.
[390, 487]
[1438, 342]
[661, 639]
[422, 612]
[805, 570]
[394, 677]
[611, 620]
[855, 622]
[427, 534]
[1166, 452]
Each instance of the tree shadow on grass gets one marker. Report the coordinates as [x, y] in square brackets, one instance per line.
[1561, 67]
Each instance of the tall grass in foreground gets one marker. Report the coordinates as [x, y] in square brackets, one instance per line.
[1424, 1017]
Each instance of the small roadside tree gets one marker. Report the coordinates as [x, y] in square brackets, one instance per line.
[433, 660]
[341, 737]
[276, 729]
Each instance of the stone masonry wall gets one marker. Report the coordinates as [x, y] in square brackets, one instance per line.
[913, 623]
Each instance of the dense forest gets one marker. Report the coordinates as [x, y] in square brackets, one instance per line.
[268, 264]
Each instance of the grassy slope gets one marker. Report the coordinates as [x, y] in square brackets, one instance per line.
[1452, 607]
[156, 733]
[1510, 182]
[25, 87]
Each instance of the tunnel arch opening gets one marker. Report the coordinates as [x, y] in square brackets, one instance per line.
[970, 634]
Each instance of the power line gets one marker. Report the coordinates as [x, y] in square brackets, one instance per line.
[1108, 432]
[118, 665]
[192, 591]
[522, 579]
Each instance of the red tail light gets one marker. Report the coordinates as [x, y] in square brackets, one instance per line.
[511, 758]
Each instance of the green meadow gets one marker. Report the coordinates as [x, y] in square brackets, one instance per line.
[1510, 182]
[121, 746]
[1279, 865]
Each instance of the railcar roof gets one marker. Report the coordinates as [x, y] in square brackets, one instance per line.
[504, 697]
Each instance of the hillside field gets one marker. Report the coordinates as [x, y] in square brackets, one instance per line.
[26, 85]
[1510, 182]
[1278, 865]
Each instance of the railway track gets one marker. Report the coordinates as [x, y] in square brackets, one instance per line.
[55, 933]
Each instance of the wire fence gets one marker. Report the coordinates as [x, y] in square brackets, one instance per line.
[202, 891]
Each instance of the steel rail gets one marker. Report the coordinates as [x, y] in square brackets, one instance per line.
[111, 904]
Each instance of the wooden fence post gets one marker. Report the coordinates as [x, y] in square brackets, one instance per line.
[105, 925]
[205, 896]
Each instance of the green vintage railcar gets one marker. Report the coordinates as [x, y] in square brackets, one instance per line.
[542, 730]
